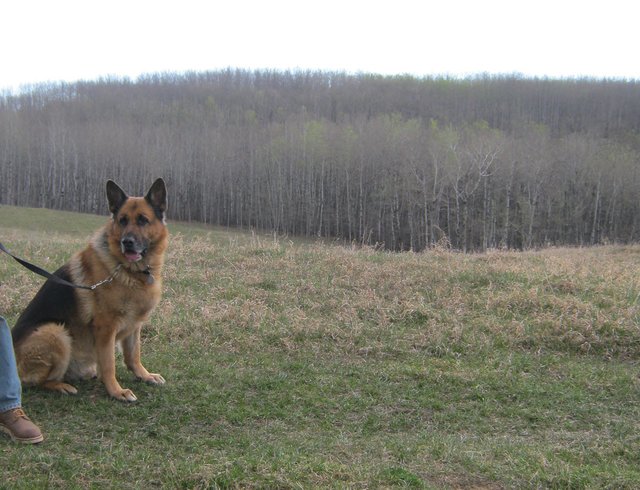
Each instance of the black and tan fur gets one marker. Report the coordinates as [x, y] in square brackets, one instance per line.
[67, 333]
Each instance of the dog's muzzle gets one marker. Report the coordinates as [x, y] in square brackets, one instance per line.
[132, 249]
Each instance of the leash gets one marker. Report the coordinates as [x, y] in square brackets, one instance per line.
[59, 280]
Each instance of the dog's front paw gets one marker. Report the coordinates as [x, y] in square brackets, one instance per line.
[124, 395]
[154, 379]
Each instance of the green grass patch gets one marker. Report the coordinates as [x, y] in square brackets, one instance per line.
[314, 366]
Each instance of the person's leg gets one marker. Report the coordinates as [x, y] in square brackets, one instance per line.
[13, 420]
[10, 388]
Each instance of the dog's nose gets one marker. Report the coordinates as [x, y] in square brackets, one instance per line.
[127, 242]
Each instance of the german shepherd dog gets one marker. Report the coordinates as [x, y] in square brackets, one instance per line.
[67, 333]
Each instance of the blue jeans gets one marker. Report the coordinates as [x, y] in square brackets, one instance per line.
[10, 388]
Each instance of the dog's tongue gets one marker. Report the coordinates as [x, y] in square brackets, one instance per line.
[132, 256]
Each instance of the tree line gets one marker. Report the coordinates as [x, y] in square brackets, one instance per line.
[402, 162]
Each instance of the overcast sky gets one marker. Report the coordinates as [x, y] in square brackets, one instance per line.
[53, 40]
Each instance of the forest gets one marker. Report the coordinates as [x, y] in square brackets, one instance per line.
[400, 162]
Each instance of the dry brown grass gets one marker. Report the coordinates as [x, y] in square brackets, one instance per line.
[365, 301]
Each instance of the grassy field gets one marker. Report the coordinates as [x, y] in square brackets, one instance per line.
[295, 365]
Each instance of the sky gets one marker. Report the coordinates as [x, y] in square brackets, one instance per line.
[70, 40]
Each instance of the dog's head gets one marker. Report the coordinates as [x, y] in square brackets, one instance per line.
[138, 228]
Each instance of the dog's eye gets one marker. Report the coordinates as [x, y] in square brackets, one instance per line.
[143, 220]
[124, 221]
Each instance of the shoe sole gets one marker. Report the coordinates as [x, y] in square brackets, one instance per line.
[22, 440]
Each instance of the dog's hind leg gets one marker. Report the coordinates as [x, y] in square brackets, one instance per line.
[43, 358]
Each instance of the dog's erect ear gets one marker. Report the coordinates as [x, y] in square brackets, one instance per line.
[157, 198]
[115, 196]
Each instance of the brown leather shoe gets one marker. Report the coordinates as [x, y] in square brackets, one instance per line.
[16, 423]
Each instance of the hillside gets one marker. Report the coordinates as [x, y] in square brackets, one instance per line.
[402, 163]
[309, 365]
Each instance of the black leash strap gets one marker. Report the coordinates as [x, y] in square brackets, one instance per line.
[42, 272]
